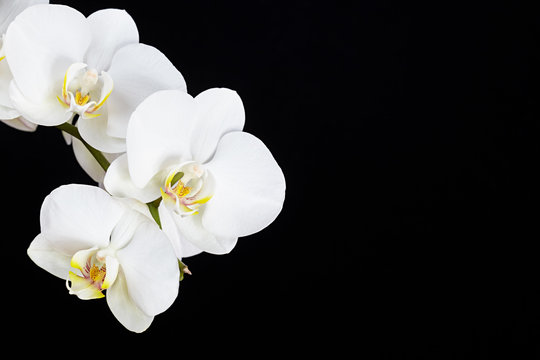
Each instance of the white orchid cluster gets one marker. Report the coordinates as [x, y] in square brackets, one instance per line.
[175, 174]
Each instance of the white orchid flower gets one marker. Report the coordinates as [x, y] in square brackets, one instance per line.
[8, 11]
[97, 244]
[217, 183]
[64, 64]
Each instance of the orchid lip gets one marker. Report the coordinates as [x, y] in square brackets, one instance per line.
[94, 275]
[84, 91]
[185, 188]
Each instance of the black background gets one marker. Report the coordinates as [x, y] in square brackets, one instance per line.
[408, 135]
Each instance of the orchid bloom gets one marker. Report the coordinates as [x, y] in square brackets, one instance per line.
[96, 243]
[8, 11]
[216, 182]
[65, 64]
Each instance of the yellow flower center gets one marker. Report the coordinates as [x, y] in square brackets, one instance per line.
[84, 90]
[81, 100]
[184, 189]
[93, 277]
[97, 274]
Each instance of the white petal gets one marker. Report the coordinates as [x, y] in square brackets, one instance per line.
[249, 187]
[123, 307]
[5, 80]
[67, 137]
[94, 132]
[87, 162]
[8, 113]
[10, 9]
[118, 182]
[111, 30]
[40, 44]
[138, 206]
[182, 247]
[125, 229]
[21, 124]
[79, 259]
[106, 90]
[48, 112]
[45, 255]
[83, 287]
[138, 71]
[75, 217]
[151, 269]
[71, 75]
[219, 111]
[190, 229]
[112, 266]
[158, 134]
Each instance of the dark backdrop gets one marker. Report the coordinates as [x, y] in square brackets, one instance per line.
[408, 135]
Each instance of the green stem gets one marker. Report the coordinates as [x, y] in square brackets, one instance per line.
[73, 131]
